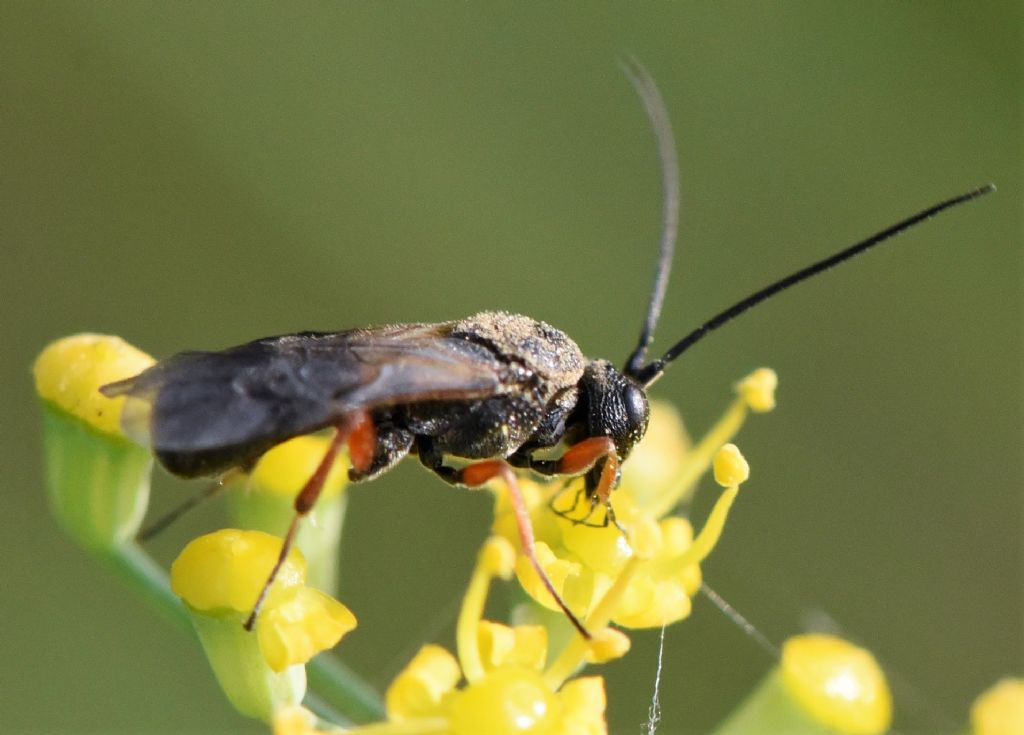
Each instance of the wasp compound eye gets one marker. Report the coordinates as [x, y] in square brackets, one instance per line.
[634, 400]
[637, 409]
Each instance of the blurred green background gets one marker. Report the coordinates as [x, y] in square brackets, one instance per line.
[199, 174]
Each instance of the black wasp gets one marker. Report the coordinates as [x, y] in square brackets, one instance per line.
[494, 391]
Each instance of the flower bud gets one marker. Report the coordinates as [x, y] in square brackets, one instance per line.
[822, 684]
[97, 480]
[1000, 709]
[837, 683]
[219, 576]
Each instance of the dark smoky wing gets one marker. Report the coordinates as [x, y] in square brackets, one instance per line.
[241, 401]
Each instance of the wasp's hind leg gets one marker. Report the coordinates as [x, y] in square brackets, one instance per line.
[356, 430]
[150, 531]
[479, 473]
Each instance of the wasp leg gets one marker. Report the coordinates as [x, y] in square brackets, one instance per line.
[178, 511]
[357, 431]
[580, 493]
[582, 457]
[477, 474]
[609, 514]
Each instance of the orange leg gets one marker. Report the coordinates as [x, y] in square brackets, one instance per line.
[358, 432]
[479, 473]
[581, 457]
[578, 459]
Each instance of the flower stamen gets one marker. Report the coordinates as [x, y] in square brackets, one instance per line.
[496, 559]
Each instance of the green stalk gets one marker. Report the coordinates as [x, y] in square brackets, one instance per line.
[769, 710]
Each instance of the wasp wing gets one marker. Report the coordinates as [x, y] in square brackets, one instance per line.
[204, 412]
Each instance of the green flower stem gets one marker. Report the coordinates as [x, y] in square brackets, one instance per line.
[135, 567]
[344, 689]
[769, 710]
[334, 683]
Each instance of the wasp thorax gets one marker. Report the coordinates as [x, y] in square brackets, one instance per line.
[615, 405]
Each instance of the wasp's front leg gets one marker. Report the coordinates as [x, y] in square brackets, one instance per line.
[580, 458]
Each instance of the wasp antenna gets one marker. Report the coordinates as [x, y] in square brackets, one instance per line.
[654, 105]
[648, 374]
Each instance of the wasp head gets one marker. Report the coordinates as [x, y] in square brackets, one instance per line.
[615, 405]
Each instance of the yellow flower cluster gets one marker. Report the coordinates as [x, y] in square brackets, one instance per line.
[507, 690]
[660, 553]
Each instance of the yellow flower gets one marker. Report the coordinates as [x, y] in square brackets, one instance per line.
[219, 576]
[97, 480]
[507, 700]
[299, 624]
[506, 690]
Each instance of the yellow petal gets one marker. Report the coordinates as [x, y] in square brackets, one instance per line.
[558, 571]
[508, 701]
[228, 568]
[677, 536]
[498, 557]
[522, 645]
[649, 602]
[601, 549]
[544, 526]
[300, 623]
[287, 467]
[607, 645]
[70, 371]
[584, 703]
[419, 689]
